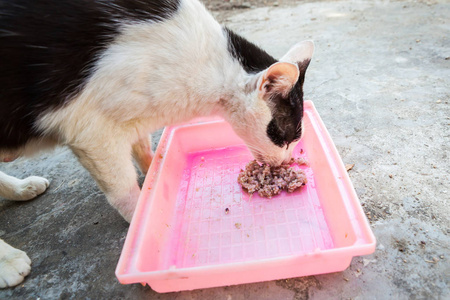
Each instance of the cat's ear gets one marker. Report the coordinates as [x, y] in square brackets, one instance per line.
[278, 78]
[300, 54]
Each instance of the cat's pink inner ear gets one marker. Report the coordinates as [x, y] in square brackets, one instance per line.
[280, 78]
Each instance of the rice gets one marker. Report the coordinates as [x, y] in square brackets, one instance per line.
[270, 181]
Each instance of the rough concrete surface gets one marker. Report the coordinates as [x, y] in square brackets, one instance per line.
[380, 80]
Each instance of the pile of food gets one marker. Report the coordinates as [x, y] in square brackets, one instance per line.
[270, 181]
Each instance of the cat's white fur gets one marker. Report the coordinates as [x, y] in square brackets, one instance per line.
[153, 75]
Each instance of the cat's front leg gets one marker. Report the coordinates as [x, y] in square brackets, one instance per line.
[112, 167]
[143, 154]
[12, 188]
[14, 265]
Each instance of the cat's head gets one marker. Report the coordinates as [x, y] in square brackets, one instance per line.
[271, 121]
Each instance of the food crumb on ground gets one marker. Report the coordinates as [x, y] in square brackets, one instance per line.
[237, 225]
[348, 167]
[269, 181]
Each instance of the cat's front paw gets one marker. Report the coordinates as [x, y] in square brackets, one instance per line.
[31, 187]
[14, 265]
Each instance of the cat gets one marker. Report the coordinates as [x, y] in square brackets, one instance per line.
[99, 76]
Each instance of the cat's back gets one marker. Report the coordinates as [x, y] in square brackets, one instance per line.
[49, 50]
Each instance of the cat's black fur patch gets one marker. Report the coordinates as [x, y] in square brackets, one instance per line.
[287, 112]
[252, 58]
[287, 116]
[275, 134]
[302, 66]
[48, 49]
[285, 126]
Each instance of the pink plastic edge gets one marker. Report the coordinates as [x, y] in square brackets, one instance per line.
[362, 221]
[128, 277]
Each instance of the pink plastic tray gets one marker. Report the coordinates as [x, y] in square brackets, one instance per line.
[181, 237]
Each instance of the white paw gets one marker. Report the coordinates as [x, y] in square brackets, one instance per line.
[14, 266]
[31, 187]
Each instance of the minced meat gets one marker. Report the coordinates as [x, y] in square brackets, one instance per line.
[269, 181]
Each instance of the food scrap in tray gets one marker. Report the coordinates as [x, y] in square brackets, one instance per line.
[270, 181]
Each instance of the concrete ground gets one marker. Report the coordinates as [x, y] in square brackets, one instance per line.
[380, 79]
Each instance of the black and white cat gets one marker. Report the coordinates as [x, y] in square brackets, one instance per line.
[100, 75]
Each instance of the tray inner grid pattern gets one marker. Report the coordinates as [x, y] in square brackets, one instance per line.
[254, 228]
